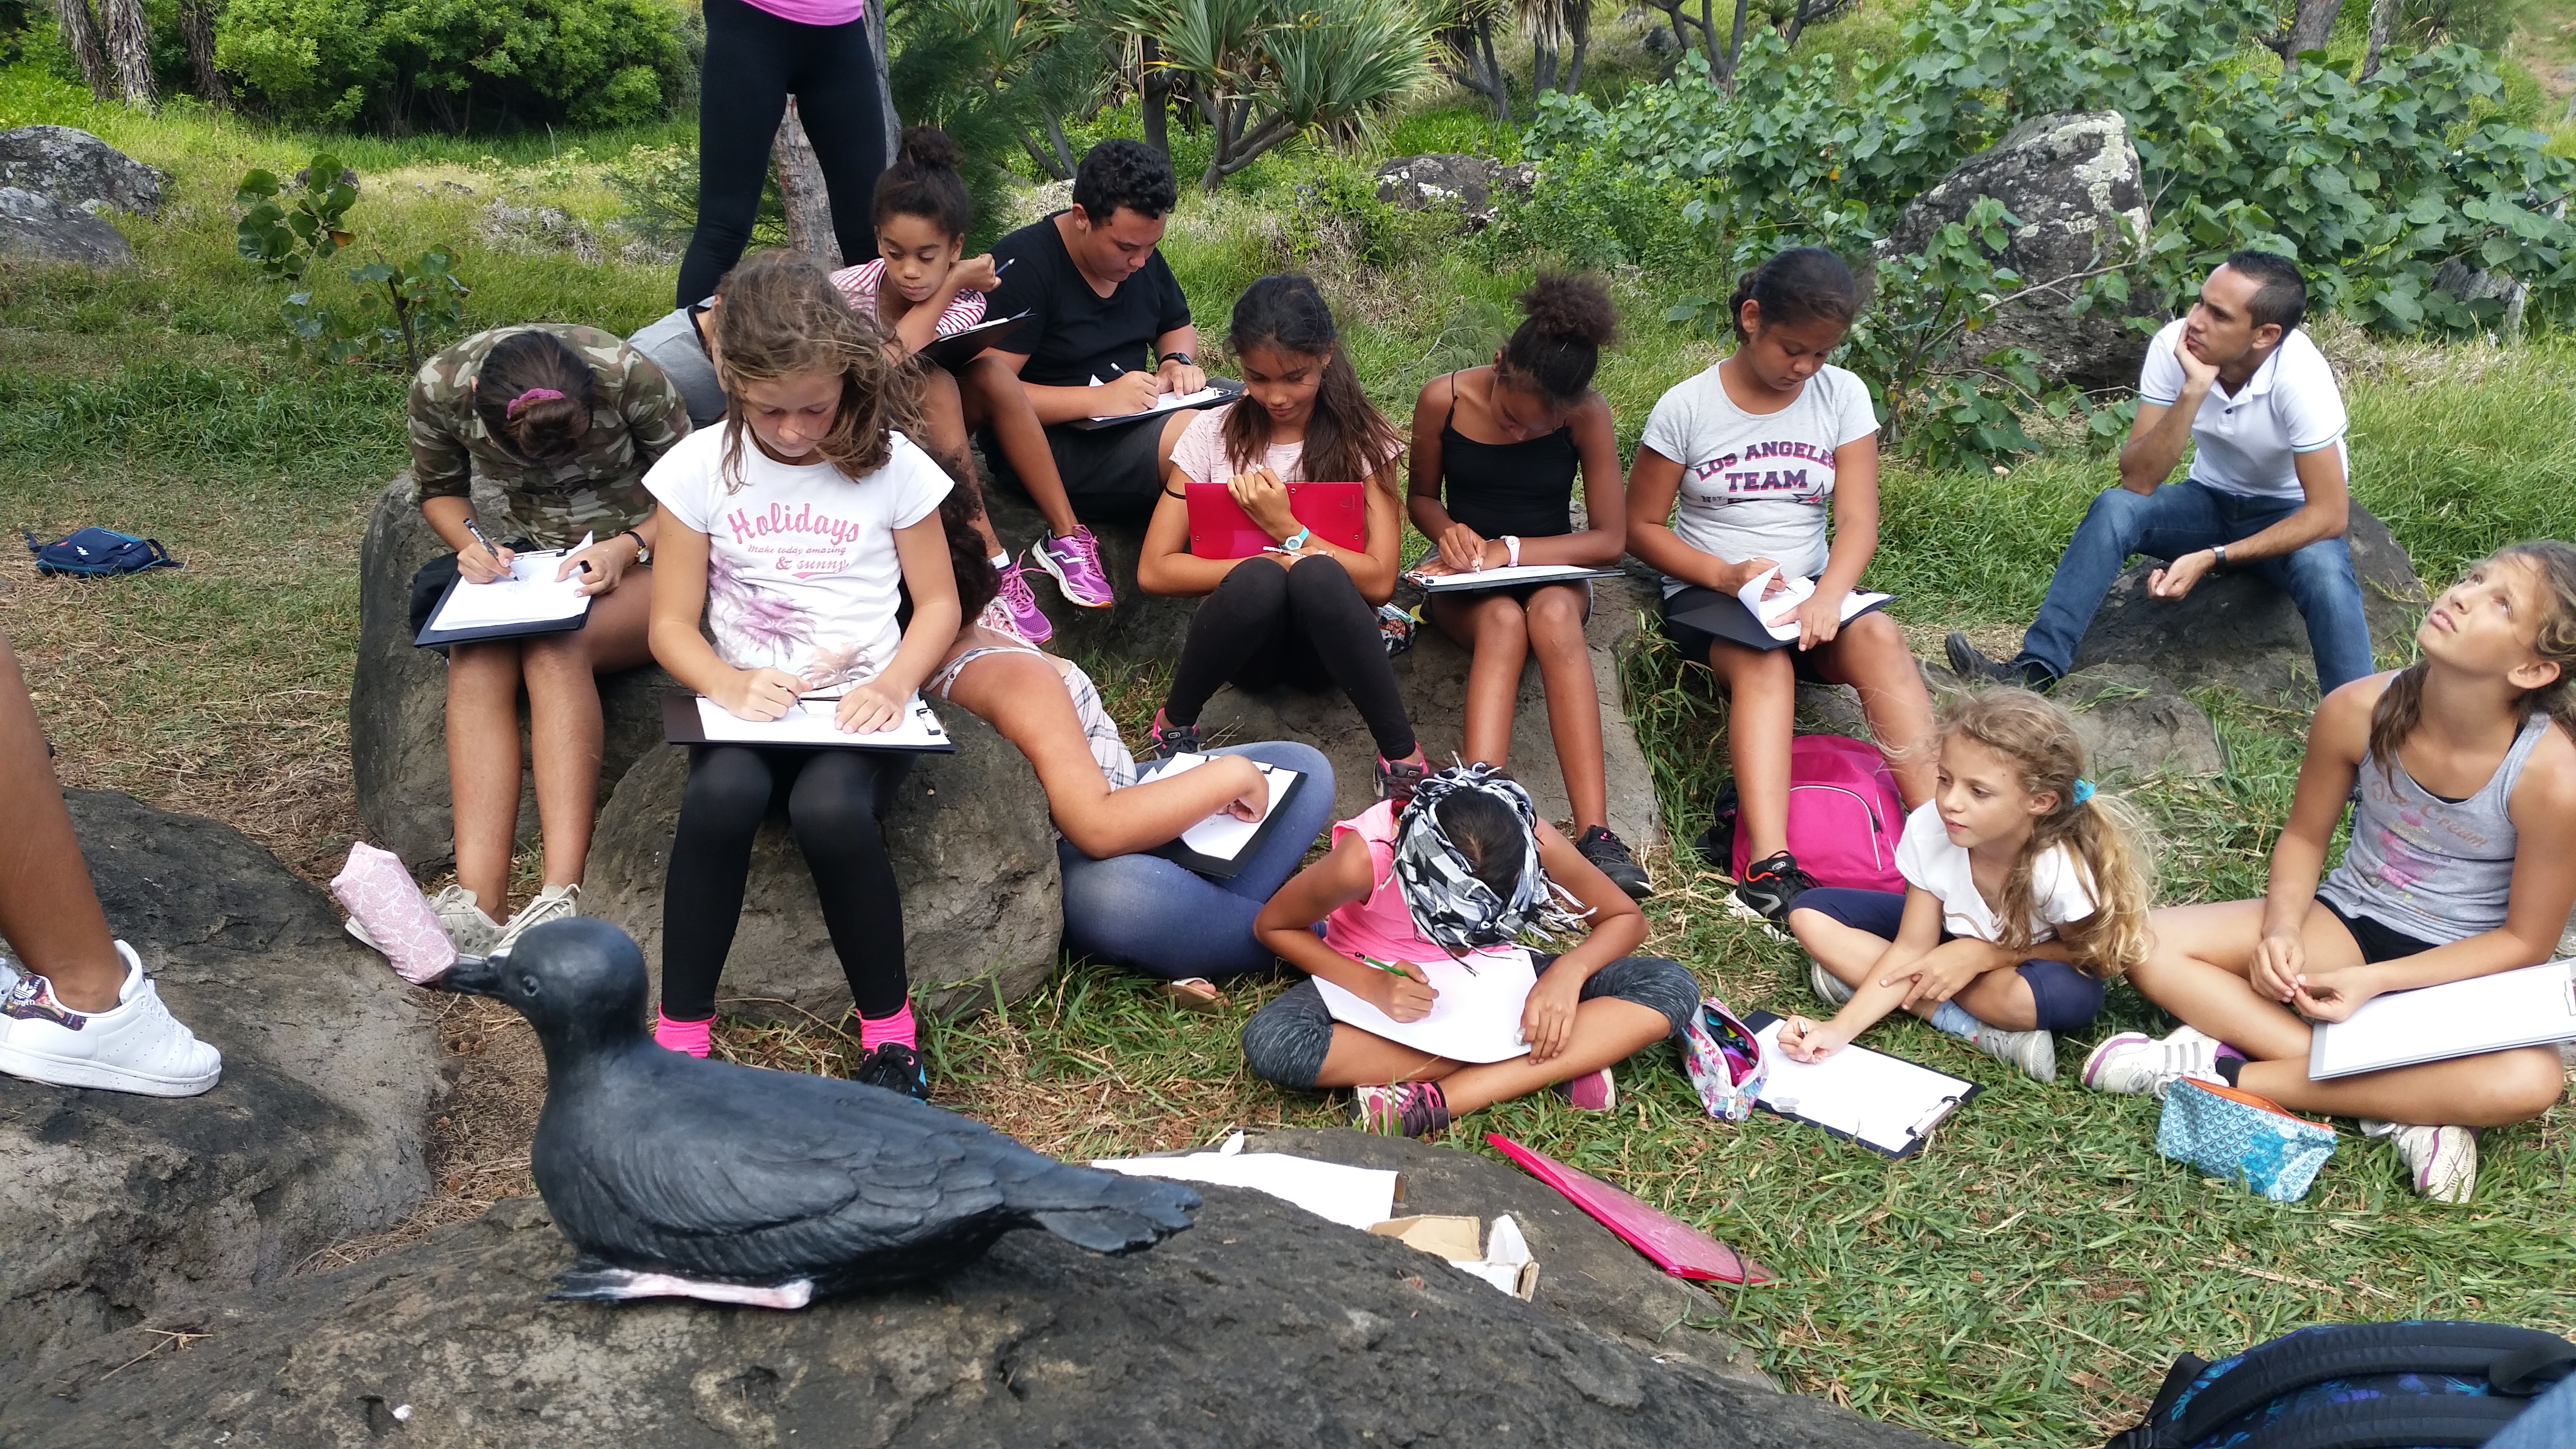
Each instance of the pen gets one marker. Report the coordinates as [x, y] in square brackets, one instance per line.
[1004, 267]
[1387, 966]
[476, 529]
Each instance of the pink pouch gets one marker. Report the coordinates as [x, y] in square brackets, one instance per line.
[382, 898]
[1671, 1244]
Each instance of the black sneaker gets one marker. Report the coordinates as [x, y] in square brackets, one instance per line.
[1971, 664]
[897, 1068]
[1769, 888]
[1165, 739]
[1609, 852]
[1395, 779]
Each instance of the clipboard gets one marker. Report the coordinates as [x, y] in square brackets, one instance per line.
[1939, 1093]
[433, 637]
[963, 346]
[1177, 850]
[684, 723]
[1219, 390]
[1725, 616]
[1510, 576]
[1219, 528]
[2531, 1006]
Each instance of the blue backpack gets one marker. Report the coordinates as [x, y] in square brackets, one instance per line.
[95, 551]
[2411, 1385]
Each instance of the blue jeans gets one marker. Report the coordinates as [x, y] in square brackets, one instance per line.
[2185, 517]
[2550, 1423]
[1170, 921]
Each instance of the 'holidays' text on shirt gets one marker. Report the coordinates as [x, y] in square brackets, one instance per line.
[781, 519]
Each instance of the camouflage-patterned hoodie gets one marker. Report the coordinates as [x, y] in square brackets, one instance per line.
[637, 415]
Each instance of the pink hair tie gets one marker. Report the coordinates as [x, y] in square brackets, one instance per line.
[534, 394]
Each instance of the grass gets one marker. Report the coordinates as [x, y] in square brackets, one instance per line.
[2023, 1282]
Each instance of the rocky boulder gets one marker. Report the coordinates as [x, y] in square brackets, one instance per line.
[983, 905]
[40, 229]
[1433, 677]
[78, 170]
[2238, 631]
[1139, 626]
[120, 1209]
[2070, 178]
[2133, 727]
[1466, 184]
[1260, 1326]
[398, 696]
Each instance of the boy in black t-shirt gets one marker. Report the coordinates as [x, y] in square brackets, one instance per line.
[1103, 307]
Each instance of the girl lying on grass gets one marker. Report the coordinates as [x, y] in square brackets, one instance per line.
[919, 289]
[2025, 892]
[2462, 864]
[1465, 867]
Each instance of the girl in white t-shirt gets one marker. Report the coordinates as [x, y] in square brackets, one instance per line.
[1763, 451]
[2025, 892]
[794, 531]
[1304, 610]
[922, 288]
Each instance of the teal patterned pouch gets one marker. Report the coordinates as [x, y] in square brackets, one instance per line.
[2244, 1138]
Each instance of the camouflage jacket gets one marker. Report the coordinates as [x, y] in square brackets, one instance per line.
[638, 415]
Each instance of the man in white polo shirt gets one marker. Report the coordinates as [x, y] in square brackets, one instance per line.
[2266, 493]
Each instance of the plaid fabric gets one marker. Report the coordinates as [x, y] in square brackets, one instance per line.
[1448, 903]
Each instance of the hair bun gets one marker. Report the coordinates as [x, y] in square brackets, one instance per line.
[1572, 309]
[930, 148]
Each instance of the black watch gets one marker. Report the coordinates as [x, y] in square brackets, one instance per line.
[2218, 551]
[643, 550]
[1183, 358]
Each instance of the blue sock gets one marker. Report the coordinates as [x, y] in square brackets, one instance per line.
[1953, 1018]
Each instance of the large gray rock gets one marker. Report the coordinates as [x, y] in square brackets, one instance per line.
[1139, 626]
[119, 1209]
[40, 229]
[1466, 184]
[1433, 677]
[2070, 178]
[1260, 1326]
[2240, 632]
[78, 170]
[398, 696]
[974, 855]
[2133, 727]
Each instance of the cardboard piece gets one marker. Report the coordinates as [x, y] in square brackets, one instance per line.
[1506, 1264]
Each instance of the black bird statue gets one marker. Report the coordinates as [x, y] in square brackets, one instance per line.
[677, 1176]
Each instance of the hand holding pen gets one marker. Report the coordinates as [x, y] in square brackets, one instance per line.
[489, 566]
[1406, 993]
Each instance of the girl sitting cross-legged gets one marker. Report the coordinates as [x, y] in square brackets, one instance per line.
[1466, 866]
[2462, 864]
[2025, 891]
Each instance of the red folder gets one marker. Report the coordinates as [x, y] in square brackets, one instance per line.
[1219, 528]
[1673, 1245]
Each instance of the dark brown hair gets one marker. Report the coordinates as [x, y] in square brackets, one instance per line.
[1802, 284]
[1347, 439]
[923, 182]
[1555, 351]
[782, 317]
[544, 430]
[2553, 566]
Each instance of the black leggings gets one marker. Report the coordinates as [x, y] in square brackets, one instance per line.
[755, 61]
[834, 799]
[1307, 626]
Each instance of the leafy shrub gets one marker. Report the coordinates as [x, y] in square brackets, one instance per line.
[658, 189]
[454, 65]
[1336, 208]
[291, 229]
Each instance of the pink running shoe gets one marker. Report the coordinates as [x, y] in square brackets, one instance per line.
[1591, 1092]
[1074, 563]
[1027, 620]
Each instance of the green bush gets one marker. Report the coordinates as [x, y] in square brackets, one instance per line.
[458, 65]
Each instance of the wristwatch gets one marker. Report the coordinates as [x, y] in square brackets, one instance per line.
[1297, 540]
[2219, 551]
[1183, 358]
[643, 550]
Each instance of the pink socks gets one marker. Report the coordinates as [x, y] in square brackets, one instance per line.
[684, 1036]
[876, 1031]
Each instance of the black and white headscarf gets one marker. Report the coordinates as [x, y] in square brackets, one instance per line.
[1448, 903]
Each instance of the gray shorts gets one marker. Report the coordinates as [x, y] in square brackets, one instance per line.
[1285, 1042]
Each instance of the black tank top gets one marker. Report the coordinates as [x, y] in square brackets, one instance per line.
[1522, 489]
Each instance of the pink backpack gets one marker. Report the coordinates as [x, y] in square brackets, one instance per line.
[1845, 816]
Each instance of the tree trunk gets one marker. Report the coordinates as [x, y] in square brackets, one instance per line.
[809, 201]
[2383, 21]
[80, 36]
[1708, 39]
[2308, 30]
[197, 25]
[1578, 25]
[1494, 70]
[1735, 46]
[129, 49]
[1542, 64]
[1154, 91]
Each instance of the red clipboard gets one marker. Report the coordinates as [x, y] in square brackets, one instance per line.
[1671, 1244]
[1219, 528]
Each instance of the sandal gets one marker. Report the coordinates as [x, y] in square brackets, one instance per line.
[1194, 993]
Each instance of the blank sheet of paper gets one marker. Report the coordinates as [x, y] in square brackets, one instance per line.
[1221, 836]
[530, 595]
[1475, 1018]
[2521, 1008]
[810, 722]
[1882, 1100]
[1355, 1197]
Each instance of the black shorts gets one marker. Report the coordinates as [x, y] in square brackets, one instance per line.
[1694, 642]
[2377, 942]
[1110, 475]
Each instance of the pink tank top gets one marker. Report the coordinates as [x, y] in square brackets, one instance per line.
[1382, 925]
[813, 12]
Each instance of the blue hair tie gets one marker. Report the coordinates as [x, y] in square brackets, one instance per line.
[2083, 791]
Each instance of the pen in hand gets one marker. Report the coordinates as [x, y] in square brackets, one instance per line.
[477, 530]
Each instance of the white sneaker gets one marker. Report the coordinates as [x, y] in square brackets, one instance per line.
[2443, 1160]
[459, 913]
[2034, 1052]
[1828, 987]
[137, 1047]
[2134, 1064]
[554, 903]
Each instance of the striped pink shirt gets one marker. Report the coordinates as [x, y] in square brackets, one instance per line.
[859, 285]
[813, 12]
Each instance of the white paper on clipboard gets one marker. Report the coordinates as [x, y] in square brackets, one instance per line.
[1475, 1018]
[2533, 1006]
[1878, 1100]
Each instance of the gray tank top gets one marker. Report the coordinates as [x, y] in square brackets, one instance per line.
[2422, 865]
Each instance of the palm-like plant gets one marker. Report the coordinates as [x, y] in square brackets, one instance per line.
[1261, 71]
[1035, 61]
